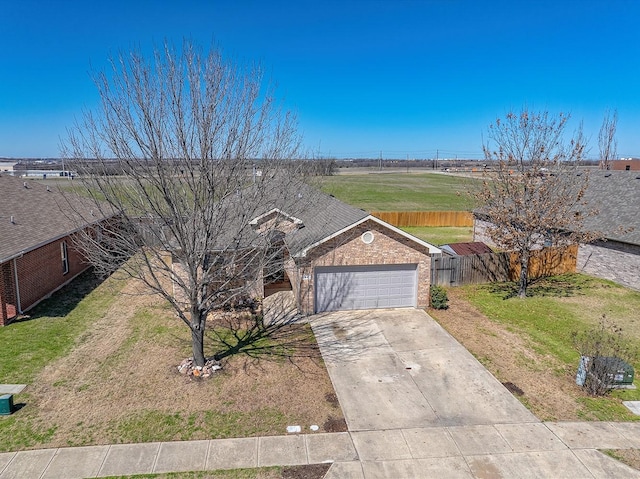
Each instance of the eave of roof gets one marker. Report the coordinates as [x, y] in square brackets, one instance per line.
[432, 249]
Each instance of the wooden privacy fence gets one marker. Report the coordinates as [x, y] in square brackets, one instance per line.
[426, 218]
[500, 267]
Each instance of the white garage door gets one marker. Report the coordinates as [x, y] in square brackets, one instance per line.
[365, 287]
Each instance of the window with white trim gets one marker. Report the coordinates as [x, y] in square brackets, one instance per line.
[65, 257]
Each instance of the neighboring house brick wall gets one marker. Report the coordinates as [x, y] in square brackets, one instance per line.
[629, 165]
[388, 247]
[7, 295]
[40, 272]
[619, 262]
[480, 232]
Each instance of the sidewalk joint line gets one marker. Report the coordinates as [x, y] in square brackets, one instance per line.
[49, 463]
[104, 459]
[155, 458]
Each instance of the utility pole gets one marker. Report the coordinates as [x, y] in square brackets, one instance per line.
[380, 160]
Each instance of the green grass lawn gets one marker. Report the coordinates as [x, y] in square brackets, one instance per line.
[52, 328]
[441, 235]
[400, 192]
[555, 309]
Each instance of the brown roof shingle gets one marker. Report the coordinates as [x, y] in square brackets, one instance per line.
[40, 215]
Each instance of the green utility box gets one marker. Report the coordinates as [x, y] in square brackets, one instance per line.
[618, 372]
[6, 404]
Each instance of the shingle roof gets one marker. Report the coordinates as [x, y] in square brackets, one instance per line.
[40, 215]
[322, 216]
[616, 197]
[463, 249]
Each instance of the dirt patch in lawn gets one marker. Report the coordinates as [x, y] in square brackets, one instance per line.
[121, 384]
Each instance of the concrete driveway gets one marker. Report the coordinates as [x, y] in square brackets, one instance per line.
[398, 368]
[419, 405]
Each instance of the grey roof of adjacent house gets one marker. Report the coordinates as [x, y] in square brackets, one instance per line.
[40, 215]
[616, 197]
[463, 249]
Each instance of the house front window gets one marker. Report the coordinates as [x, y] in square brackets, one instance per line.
[65, 257]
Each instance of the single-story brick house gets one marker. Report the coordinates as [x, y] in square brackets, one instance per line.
[342, 258]
[37, 252]
[616, 197]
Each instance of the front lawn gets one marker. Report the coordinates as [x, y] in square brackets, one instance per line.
[103, 370]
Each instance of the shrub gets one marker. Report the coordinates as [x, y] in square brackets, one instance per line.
[438, 298]
[605, 351]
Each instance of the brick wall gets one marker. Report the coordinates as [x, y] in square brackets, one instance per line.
[611, 260]
[7, 296]
[40, 271]
[387, 247]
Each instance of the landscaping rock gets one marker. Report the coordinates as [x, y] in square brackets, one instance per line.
[188, 368]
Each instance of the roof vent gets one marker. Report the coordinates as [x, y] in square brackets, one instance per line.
[607, 175]
[13, 220]
[638, 177]
[367, 237]
[48, 189]
[25, 184]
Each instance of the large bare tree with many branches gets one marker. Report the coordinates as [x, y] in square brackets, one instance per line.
[189, 149]
[532, 193]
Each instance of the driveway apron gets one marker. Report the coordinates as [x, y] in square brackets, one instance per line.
[398, 369]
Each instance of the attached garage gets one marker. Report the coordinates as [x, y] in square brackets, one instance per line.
[365, 287]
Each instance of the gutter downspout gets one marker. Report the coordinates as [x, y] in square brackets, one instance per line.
[15, 276]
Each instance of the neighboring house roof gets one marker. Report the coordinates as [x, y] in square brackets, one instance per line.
[464, 249]
[40, 215]
[616, 197]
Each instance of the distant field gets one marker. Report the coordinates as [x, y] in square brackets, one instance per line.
[400, 192]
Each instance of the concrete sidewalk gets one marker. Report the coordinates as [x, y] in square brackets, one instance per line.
[128, 459]
[559, 450]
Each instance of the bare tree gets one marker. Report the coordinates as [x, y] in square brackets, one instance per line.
[532, 196]
[607, 142]
[192, 153]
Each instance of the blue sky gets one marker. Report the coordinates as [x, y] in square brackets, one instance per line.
[401, 77]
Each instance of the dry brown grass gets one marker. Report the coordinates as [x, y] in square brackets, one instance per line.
[120, 384]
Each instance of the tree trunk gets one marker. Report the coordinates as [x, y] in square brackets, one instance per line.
[523, 283]
[197, 342]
